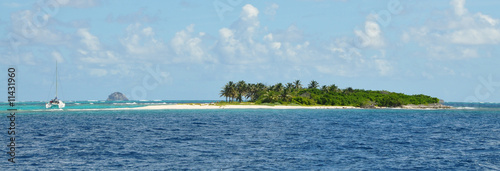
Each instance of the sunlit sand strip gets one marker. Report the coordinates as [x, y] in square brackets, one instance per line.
[204, 106]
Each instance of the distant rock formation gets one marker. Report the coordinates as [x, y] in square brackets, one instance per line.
[117, 96]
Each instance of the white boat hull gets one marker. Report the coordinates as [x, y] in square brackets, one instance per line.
[58, 104]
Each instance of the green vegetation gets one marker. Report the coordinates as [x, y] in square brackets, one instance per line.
[314, 94]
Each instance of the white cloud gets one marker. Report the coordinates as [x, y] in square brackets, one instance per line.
[148, 31]
[475, 36]
[57, 57]
[101, 58]
[276, 45]
[447, 39]
[371, 36]
[487, 19]
[459, 7]
[91, 41]
[188, 47]
[142, 42]
[249, 12]
[248, 22]
[78, 3]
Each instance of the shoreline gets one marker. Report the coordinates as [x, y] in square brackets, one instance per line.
[211, 106]
[208, 106]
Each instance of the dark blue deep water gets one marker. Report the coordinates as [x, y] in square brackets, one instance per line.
[255, 140]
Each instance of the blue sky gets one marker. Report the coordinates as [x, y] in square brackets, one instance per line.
[187, 50]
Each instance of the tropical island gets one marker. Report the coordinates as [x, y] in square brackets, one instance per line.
[294, 94]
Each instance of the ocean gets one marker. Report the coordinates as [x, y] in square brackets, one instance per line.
[467, 138]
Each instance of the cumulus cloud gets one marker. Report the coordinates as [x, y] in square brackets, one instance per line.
[245, 43]
[78, 3]
[188, 46]
[449, 38]
[371, 36]
[89, 40]
[459, 7]
[347, 60]
[141, 41]
[470, 36]
[238, 44]
[249, 12]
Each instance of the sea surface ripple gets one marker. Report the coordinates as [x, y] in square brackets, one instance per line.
[257, 140]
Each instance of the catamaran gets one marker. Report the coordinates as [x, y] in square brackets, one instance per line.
[55, 102]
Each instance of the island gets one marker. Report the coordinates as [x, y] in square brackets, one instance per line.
[242, 95]
[294, 94]
[117, 96]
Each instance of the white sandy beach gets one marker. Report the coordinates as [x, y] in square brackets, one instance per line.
[207, 106]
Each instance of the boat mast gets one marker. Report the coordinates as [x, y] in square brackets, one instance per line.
[56, 79]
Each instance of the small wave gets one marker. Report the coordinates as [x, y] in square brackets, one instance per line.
[153, 103]
[465, 108]
[133, 103]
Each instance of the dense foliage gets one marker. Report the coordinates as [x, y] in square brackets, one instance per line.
[313, 94]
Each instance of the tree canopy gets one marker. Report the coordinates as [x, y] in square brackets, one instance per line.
[314, 94]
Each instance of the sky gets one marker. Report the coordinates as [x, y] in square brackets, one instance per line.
[188, 50]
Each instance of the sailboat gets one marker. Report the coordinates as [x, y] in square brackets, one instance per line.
[55, 102]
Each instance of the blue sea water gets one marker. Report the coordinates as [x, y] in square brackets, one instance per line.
[467, 138]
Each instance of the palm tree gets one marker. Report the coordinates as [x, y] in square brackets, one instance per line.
[231, 90]
[285, 94]
[252, 92]
[313, 84]
[225, 91]
[256, 90]
[333, 88]
[270, 96]
[278, 87]
[297, 84]
[325, 89]
[348, 90]
[241, 88]
[261, 86]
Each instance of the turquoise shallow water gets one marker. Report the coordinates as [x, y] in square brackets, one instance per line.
[39, 106]
[243, 139]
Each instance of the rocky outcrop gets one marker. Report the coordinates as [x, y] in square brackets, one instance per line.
[428, 106]
[117, 96]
